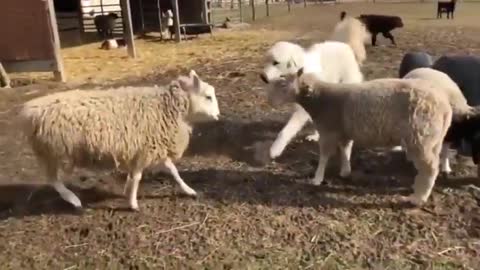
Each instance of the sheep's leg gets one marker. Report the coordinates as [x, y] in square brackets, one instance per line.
[427, 163]
[397, 148]
[444, 162]
[374, 39]
[133, 181]
[295, 123]
[57, 184]
[327, 147]
[173, 170]
[389, 36]
[345, 154]
[127, 186]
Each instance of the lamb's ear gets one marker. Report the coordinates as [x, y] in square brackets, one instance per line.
[192, 73]
[300, 72]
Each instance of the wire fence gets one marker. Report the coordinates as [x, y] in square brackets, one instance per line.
[251, 10]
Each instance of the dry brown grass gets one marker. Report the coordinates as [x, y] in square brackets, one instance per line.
[248, 217]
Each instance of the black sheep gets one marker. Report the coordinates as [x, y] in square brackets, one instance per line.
[381, 24]
[464, 70]
[413, 60]
[466, 128]
[447, 7]
[105, 24]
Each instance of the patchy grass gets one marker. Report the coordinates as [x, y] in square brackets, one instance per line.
[248, 217]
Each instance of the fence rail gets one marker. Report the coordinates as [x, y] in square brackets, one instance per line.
[251, 10]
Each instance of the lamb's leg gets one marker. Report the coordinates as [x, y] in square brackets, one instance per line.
[294, 125]
[427, 163]
[345, 154]
[444, 162]
[173, 170]
[389, 36]
[133, 181]
[327, 147]
[57, 184]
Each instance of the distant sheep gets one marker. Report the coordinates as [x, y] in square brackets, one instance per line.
[375, 113]
[331, 61]
[129, 128]
[353, 32]
[455, 97]
[413, 60]
[381, 24]
[447, 7]
[105, 24]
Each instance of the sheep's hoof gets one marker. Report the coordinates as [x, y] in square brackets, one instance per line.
[445, 174]
[316, 182]
[189, 191]
[313, 137]
[413, 200]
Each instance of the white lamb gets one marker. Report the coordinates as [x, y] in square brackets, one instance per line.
[130, 128]
[455, 96]
[331, 61]
[352, 31]
[382, 112]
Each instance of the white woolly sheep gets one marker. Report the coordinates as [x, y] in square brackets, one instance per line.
[129, 128]
[455, 96]
[376, 113]
[353, 32]
[331, 61]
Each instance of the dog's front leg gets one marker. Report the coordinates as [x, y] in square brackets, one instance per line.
[294, 125]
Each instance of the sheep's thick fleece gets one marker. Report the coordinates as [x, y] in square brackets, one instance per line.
[125, 128]
[444, 83]
[382, 112]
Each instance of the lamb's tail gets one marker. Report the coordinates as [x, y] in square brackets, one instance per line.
[464, 125]
[353, 32]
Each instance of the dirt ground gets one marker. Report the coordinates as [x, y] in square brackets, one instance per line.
[248, 216]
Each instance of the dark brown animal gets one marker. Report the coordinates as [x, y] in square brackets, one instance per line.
[446, 7]
[381, 24]
[105, 24]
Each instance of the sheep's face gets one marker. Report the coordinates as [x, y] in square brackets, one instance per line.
[282, 90]
[282, 59]
[203, 102]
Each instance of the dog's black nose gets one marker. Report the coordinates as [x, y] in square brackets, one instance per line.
[264, 78]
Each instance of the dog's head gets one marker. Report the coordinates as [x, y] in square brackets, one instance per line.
[281, 59]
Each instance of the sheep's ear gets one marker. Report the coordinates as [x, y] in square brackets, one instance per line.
[300, 72]
[184, 82]
[196, 80]
[192, 73]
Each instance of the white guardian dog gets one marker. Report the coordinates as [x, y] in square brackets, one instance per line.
[331, 61]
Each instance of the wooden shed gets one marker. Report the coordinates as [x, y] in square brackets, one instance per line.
[29, 34]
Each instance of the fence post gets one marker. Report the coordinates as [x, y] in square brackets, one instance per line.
[253, 10]
[304, 3]
[268, 7]
[240, 10]
[288, 4]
